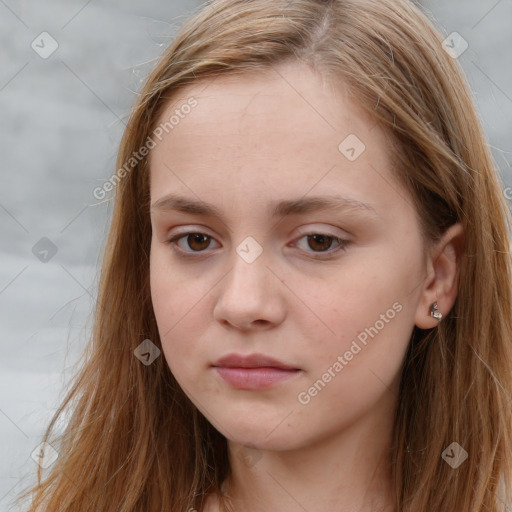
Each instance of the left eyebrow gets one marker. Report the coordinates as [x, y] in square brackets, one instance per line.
[277, 208]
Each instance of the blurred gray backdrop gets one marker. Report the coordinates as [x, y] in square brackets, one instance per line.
[69, 72]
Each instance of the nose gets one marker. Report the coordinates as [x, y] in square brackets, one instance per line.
[250, 296]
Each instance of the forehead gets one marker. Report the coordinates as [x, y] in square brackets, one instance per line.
[281, 131]
[290, 99]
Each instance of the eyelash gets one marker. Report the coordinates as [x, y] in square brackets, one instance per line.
[172, 242]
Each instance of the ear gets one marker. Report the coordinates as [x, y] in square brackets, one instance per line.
[442, 272]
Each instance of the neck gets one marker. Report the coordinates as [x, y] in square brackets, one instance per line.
[348, 471]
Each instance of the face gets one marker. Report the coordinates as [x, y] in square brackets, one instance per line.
[301, 264]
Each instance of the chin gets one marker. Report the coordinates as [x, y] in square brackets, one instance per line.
[262, 437]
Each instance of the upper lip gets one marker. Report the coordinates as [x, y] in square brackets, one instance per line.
[251, 361]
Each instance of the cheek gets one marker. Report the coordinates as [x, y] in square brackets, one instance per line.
[347, 302]
[173, 291]
[370, 315]
[169, 299]
[179, 301]
[162, 285]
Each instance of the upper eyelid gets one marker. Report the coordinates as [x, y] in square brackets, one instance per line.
[308, 232]
[303, 230]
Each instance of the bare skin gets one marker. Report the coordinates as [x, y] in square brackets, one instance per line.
[268, 137]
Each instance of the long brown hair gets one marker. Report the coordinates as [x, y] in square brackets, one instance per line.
[135, 442]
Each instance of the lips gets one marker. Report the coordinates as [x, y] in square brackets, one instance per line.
[253, 372]
[251, 361]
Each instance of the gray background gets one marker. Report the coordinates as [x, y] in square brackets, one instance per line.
[61, 121]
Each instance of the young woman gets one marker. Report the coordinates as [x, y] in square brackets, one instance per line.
[305, 301]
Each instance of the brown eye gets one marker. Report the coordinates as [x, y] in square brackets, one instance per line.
[197, 241]
[320, 242]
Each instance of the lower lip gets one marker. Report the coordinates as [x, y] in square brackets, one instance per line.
[254, 378]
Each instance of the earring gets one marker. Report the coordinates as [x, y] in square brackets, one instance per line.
[434, 311]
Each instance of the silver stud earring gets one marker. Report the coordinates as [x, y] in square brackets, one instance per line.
[434, 311]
